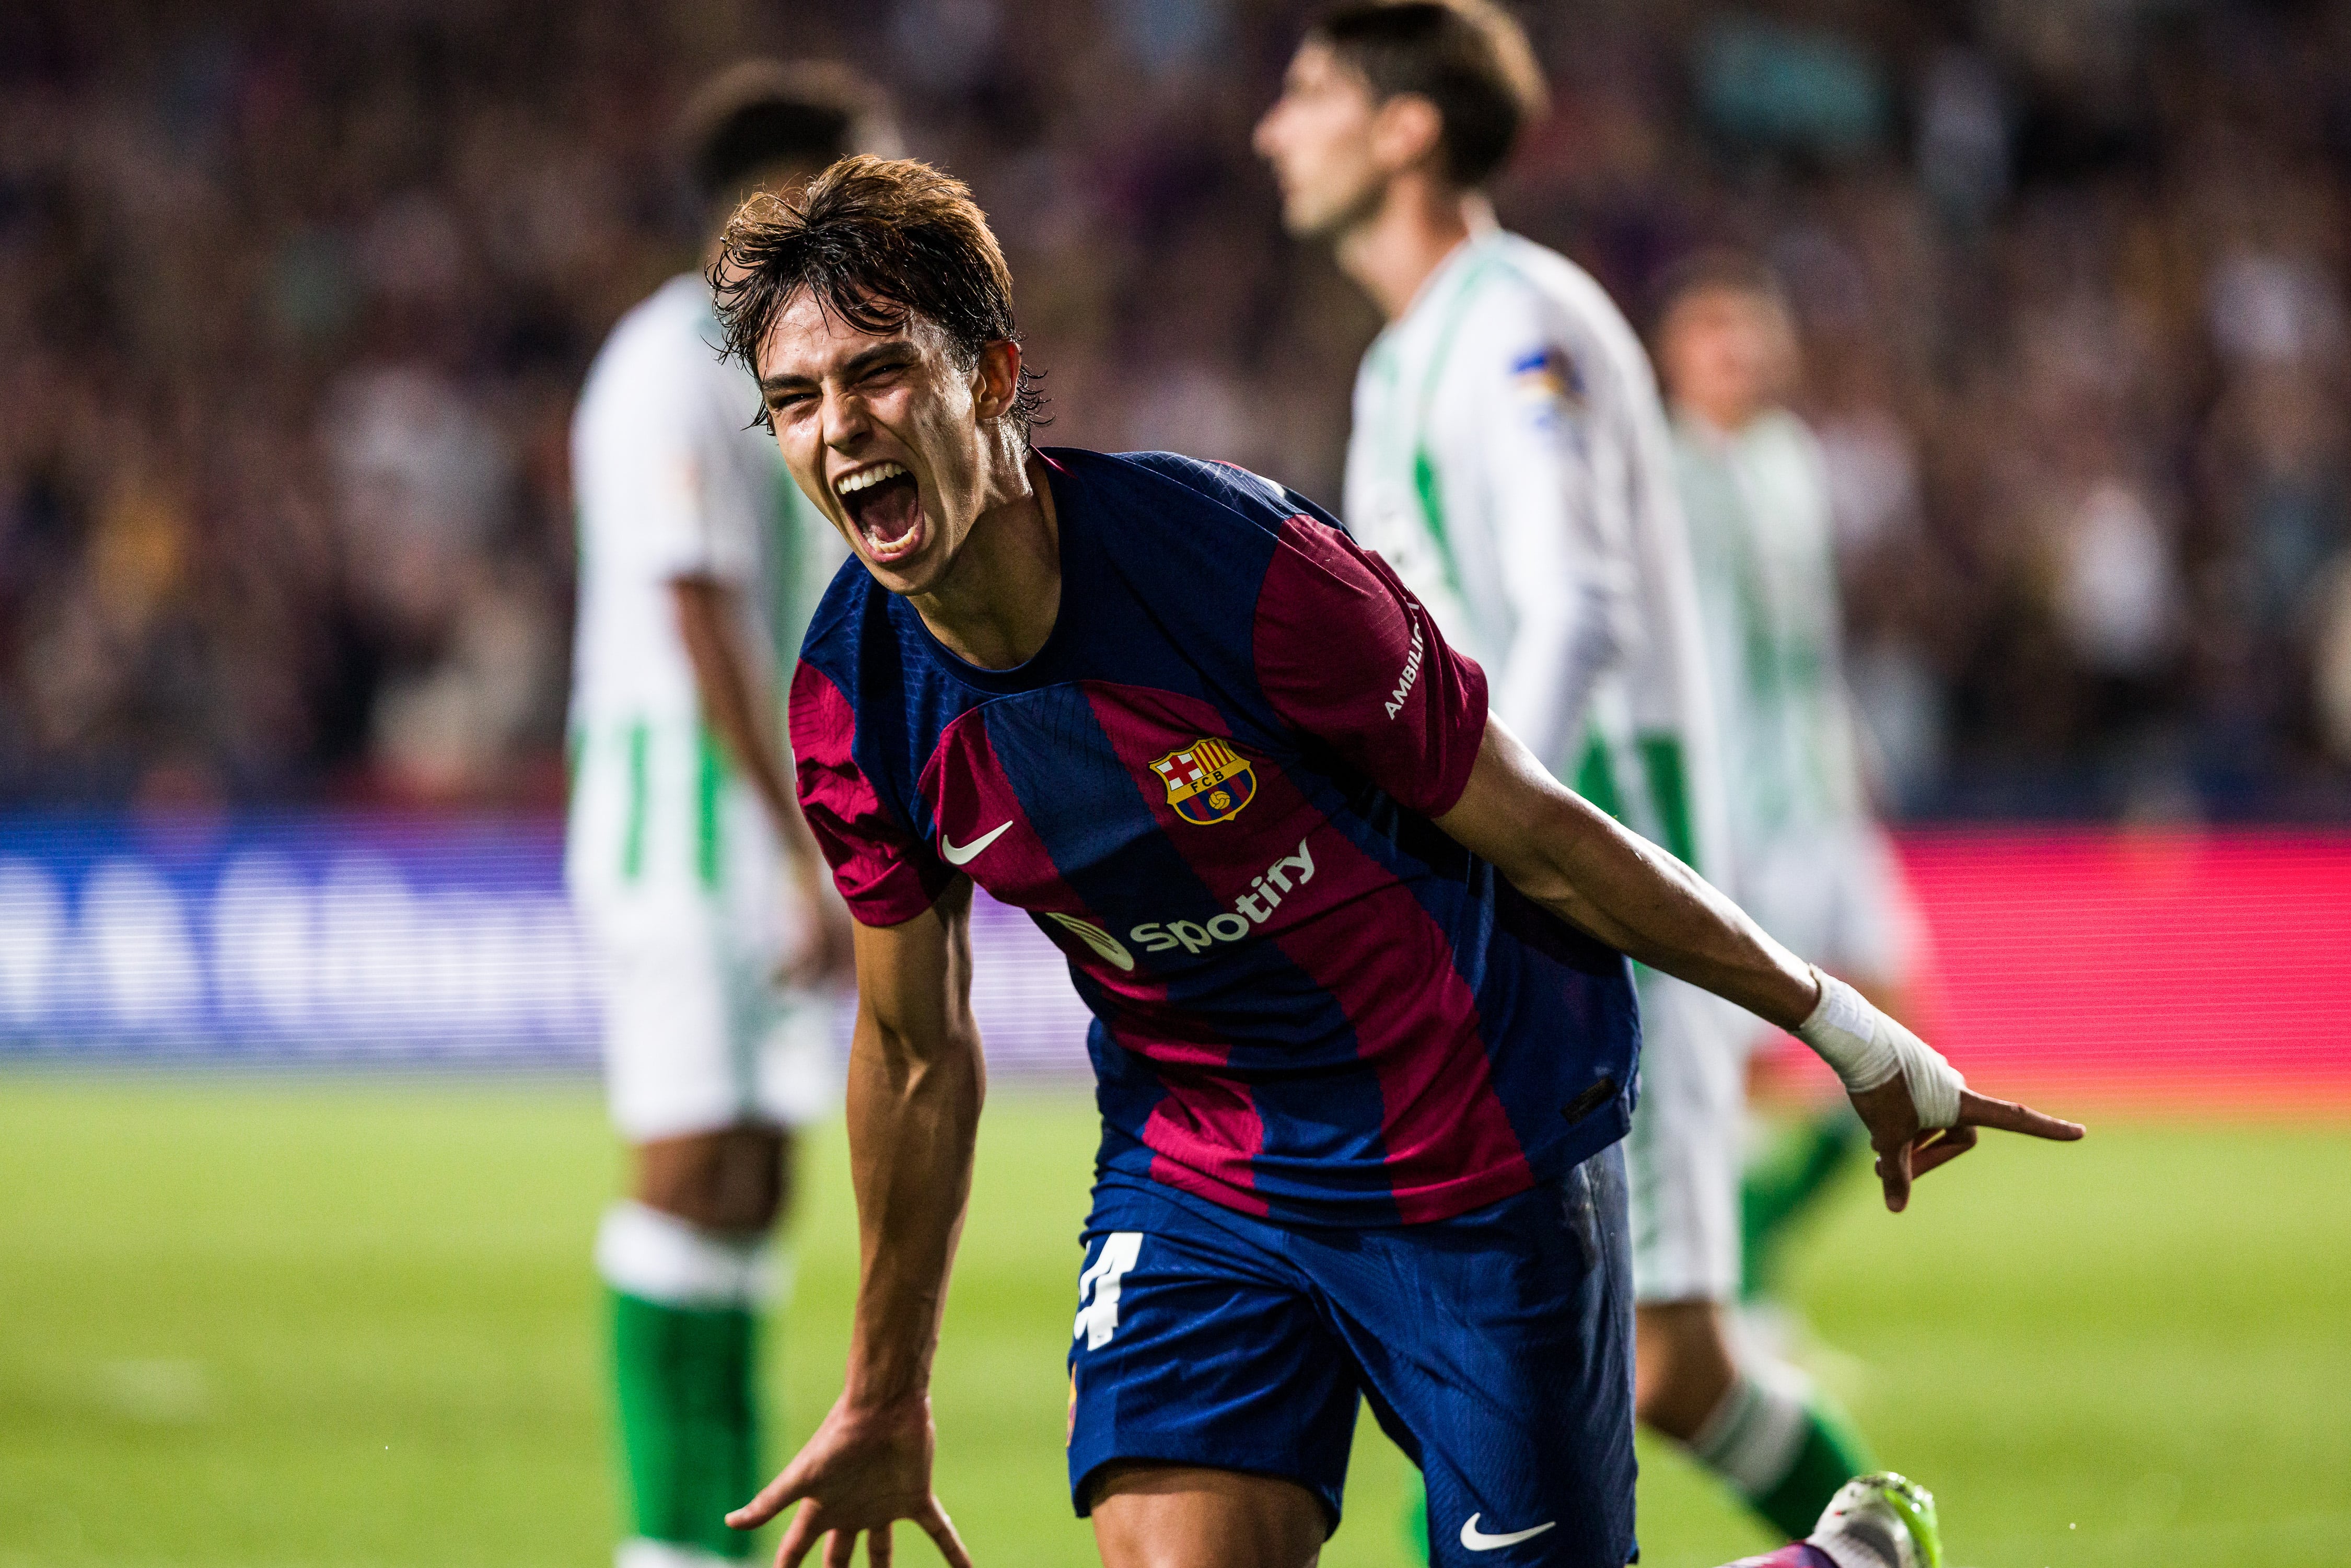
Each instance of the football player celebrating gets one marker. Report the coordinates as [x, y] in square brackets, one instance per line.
[1511, 457]
[1365, 1032]
[685, 853]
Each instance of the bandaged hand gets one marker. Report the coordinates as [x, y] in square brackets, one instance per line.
[1868, 1050]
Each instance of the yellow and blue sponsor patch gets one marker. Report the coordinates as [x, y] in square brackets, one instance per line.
[1545, 375]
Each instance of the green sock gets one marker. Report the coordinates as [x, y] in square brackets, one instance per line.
[1782, 1184]
[682, 1377]
[1785, 1447]
[685, 1314]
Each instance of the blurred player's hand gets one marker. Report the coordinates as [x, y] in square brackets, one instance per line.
[823, 955]
[1906, 1152]
[859, 1471]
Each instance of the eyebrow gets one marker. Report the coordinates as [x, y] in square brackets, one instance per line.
[857, 364]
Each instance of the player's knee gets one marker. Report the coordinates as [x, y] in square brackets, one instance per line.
[1683, 1367]
[732, 1180]
[1666, 1405]
[1164, 1516]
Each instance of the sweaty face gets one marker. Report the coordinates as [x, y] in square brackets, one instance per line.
[884, 433]
[1318, 137]
[1725, 353]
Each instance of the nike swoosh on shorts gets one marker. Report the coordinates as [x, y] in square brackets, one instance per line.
[1477, 1540]
[965, 854]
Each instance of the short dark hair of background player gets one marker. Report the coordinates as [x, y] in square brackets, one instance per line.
[1468, 57]
[758, 114]
[877, 241]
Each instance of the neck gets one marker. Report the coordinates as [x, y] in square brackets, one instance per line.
[1419, 221]
[998, 600]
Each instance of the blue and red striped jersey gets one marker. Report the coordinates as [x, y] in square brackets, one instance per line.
[1213, 788]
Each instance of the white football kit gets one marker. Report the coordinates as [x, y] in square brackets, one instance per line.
[1812, 866]
[1510, 459]
[672, 859]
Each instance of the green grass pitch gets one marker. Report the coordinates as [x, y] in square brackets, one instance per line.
[263, 1324]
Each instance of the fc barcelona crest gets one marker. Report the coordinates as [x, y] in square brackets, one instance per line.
[1207, 781]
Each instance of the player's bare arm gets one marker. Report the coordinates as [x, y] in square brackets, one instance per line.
[742, 713]
[1571, 857]
[915, 1084]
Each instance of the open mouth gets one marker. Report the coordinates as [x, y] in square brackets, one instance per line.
[886, 508]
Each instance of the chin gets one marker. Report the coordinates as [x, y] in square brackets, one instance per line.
[917, 570]
[1306, 223]
[1326, 221]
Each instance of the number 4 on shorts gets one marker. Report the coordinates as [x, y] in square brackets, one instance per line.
[1098, 1318]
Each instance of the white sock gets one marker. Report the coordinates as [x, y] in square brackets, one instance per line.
[1755, 1436]
[659, 1257]
[639, 1553]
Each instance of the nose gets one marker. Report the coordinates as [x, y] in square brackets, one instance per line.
[845, 420]
[1263, 139]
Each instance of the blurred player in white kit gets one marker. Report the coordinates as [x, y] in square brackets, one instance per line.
[712, 915]
[1809, 860]
[1512, 459]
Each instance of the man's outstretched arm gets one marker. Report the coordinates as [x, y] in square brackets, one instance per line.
[915, 1083]
[1571, 857]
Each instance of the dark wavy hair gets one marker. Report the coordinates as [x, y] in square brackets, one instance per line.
[878, 242]
[1468, 58]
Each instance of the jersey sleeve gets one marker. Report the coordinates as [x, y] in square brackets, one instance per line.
[885, 873]
[1346, 654]
[1552, 474]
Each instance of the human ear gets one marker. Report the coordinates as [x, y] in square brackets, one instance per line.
[1407, 130]
[996, 379]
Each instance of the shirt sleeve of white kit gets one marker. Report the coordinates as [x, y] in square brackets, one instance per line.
[1563, 540]
[661, 471]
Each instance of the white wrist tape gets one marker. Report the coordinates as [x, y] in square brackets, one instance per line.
[1868, 1050]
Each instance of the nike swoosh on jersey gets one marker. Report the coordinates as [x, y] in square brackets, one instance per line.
[965, 854]
[1477, 1540]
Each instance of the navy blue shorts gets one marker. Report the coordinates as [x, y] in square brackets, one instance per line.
[1496, 1350]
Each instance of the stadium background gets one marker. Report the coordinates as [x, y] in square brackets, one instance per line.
[299, 1158]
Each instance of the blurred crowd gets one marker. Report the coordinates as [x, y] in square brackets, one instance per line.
[294, 300]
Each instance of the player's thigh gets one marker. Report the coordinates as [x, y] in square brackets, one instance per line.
[675, 1062]
[1170, 1516]
[697, 1034]
[1194, 1347]
[1682, 1156]
[1497, 1349]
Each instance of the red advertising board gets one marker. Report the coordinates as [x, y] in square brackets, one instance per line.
[2172, 969]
